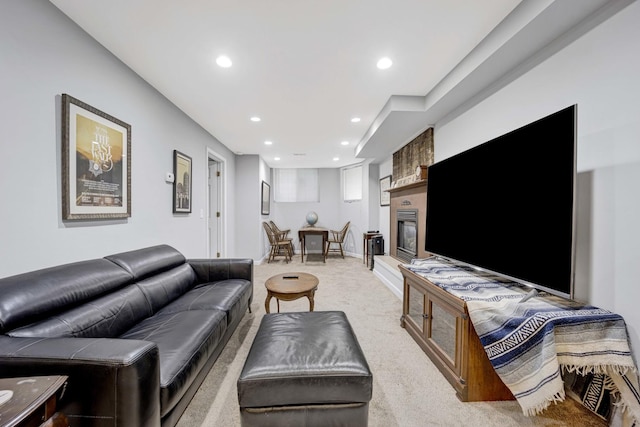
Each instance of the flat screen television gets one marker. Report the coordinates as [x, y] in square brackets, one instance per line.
[507, 206]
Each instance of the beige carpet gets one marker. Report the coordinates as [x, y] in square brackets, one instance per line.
[408, 390]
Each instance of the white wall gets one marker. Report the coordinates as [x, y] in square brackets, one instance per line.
[249, 232]
[599, 72]
[44, 54]
[332, 212]
[384, 215]
[292, 215]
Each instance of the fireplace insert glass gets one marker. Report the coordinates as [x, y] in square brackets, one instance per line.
[407, 234]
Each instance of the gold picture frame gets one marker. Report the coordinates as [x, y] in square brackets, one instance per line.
[96, 163]
[385, 196]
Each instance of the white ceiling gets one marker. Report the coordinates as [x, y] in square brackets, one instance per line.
[306, 67]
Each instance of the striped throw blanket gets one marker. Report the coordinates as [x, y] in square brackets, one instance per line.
[539, 343]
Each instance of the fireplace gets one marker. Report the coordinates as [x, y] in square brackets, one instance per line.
[409, 206]
[407, 245]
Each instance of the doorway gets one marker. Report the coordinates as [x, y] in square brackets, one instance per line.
[216, 209]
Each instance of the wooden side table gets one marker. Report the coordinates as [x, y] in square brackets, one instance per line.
[33, 402]
[289, 287]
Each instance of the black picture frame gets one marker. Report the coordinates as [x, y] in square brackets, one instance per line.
[385, 196]
[265, 201]
[182, 182]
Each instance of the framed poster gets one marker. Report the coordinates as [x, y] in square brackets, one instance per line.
[96, 163]
[181, 182]
[266, 199]
[385, 196]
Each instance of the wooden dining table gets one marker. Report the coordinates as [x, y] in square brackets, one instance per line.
[317, 231]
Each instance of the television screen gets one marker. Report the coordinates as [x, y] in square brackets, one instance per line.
[507, 206]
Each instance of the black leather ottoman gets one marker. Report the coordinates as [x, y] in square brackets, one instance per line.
[305, 369]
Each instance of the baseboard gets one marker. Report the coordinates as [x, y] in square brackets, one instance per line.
[385, 269]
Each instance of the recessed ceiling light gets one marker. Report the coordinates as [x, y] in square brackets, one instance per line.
[384, 63]
[223, 61]
[355, 120]
[345, 143]
[276, 158]
[268, 143]
[335, 159]
[255, 119]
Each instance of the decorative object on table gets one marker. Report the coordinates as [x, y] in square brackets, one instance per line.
[312, 218]
[182, 182]
[407, 180]
[385, 197]
[5, 396]
[266, 199]
[421, 172]
[96, 163]
[34, 401]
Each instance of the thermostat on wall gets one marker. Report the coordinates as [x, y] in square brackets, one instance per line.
[169, 177]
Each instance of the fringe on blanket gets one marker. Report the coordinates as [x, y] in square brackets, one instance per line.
[542, 406]
[626, 414]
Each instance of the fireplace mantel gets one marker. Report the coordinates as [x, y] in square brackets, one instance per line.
[409, 196]
[422, 184]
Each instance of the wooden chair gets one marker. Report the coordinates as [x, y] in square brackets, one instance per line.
[282, 234]
[278, 246]
[337, 238]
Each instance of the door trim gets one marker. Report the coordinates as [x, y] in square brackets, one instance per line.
[222, 203]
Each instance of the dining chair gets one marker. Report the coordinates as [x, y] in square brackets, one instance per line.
[337, 238]
[278, 246]
[282, 234]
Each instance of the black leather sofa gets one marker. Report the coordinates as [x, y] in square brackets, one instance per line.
[135, 332]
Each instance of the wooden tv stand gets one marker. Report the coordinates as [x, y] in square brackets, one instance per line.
[439, 322]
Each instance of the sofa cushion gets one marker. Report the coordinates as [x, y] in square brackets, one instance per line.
[144, 262]
[231, 296]
[165, 287]
[29, 297]
[105, 317]
[185, 341]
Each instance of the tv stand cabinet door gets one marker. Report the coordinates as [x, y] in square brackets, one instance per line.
[446, 334]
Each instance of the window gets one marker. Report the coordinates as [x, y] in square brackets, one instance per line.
[352, 184]
[296, 185]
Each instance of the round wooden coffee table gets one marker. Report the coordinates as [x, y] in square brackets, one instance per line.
[289, 287]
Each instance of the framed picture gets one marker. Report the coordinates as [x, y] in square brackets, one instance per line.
[182, 174]
[385, 196]
[96, 163]
[266, 199]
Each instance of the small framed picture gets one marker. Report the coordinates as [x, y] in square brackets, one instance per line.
[182, 182]
[266, 199]
[385, 196]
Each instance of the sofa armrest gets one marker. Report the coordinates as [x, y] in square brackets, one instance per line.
[216, 269]
[112, 382]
